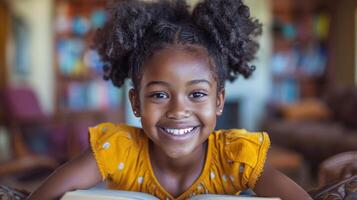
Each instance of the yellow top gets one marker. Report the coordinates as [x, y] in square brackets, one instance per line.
[234, 161]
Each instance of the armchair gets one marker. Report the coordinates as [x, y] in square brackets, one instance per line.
[23, 117]
[337, 167]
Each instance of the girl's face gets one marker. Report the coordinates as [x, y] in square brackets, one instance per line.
[178, 101]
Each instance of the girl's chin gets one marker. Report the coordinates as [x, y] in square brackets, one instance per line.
[178, 153]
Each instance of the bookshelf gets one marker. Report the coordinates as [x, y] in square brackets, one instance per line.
[81, 93]
[4, 33]
[300, 40]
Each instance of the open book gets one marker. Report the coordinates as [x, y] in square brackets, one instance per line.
[104, 194]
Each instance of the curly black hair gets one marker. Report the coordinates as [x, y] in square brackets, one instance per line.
[137, 29]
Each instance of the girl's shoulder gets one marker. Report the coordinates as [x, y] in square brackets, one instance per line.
[242, 150]
[105, 132]
[110, 144]
[242, 136]
[242, 145]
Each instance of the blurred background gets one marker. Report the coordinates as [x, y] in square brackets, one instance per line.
[303, 92]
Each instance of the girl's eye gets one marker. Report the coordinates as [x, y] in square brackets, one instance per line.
[197, 95]
[159, 95]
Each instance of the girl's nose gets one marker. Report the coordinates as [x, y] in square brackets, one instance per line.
[178, 110]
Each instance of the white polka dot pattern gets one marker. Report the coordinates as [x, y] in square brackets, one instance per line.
[140, 179]
[121, 166]
[199, 187]
[224, 178]
[106, 145]
[213, 175]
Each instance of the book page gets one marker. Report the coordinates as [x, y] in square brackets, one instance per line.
[228, 197]
[105, 194]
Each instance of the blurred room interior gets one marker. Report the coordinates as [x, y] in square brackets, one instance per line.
[303, 93]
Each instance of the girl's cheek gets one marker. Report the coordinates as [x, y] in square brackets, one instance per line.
[152, 110]
[207, 110]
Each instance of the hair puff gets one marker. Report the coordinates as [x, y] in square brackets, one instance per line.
[229, 24]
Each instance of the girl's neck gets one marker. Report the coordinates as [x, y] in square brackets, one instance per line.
[186, 165]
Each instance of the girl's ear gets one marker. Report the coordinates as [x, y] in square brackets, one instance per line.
[220, 102]
[134, 101]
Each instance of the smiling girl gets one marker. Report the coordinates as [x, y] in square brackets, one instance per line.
[178, 63]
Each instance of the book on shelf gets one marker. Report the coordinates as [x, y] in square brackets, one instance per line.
[93, 95]
[105, 194]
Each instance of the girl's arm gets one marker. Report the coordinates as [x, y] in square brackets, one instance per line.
[79, 173]
[273, 183]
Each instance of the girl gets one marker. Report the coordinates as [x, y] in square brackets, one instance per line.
[178, 63]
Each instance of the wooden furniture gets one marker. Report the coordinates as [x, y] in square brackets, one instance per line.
[82, 96]
[4, 18]
[290, 163]
[80, 87]
[340, 166]
[299, 59]
[315, 135]
[345, 189]
[12, 194]
[23, 112]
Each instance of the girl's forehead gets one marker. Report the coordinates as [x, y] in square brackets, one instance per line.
[177, 64]
[189, 50]
[180, 54]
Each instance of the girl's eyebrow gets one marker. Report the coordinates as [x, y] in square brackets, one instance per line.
[157, 83]
[193, 82]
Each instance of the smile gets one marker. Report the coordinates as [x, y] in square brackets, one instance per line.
[178, 132]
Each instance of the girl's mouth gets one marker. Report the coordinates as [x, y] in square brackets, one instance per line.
[179, 132]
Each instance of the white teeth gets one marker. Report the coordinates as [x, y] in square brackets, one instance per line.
[178, 131]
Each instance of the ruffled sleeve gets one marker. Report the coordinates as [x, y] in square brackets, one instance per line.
[246, 154]
[109, 143]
